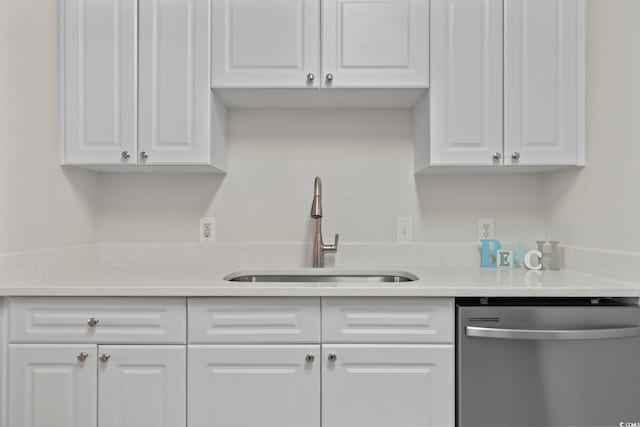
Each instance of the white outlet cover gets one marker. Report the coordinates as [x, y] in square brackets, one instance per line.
[486, 228]
[207, 230]
[404, 230]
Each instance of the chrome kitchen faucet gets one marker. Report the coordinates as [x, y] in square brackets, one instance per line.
[319, 248]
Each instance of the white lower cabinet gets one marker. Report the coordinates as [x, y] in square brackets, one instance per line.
[377, 363]
[142, 386]
[61, 385]
[387, 385]
[52, 385]
[254, 385]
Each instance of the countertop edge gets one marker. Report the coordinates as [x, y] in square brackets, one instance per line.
[444, 292]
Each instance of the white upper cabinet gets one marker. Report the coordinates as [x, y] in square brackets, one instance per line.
[375, 43]
[507, 85]
[142, 386]
[277, 43]
[136, 85]
[99, 46]
[174, 81]
[544, 83]
[265, 43]
[466, 82]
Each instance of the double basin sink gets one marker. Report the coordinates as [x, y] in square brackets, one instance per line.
[318, 276]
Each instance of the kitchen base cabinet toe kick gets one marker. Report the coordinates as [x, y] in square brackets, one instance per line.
[230, 362]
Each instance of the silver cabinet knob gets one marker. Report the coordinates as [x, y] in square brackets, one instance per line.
[125, 154]
[309, 358]
[497, 156]
[329, 77]
[515, 156]
[104, 357]
[144, 155]
[92, 322]
[311, 77]
[332, 357]
[82, 356]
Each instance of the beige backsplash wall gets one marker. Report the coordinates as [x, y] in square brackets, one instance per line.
[366, 161]
[599, 207]
[364, 158]
[41, 204]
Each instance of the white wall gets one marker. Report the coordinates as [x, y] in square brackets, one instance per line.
[366, 162]
[599, 207]
[363, 157]
[41, 204]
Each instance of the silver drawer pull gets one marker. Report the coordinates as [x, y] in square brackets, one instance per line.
[332, 357]
[104, 357]
[553, 334]
[309, 358]
[92, 322]
[82, 356]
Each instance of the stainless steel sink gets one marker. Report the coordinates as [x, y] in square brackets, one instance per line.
[325, 277]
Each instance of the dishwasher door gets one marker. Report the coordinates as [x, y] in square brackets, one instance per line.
[538, 366]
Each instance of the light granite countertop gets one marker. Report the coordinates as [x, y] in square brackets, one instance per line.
[432, 281]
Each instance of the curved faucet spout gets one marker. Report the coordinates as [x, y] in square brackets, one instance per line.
[316, 206]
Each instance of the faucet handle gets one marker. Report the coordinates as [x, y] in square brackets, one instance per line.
[334, 247]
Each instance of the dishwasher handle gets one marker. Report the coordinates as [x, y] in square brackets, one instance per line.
[551, 334]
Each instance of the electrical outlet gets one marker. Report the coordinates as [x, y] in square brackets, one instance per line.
[404, 230]
[207, 230]
[486, 228]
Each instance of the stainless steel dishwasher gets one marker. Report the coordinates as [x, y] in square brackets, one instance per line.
[552, 362]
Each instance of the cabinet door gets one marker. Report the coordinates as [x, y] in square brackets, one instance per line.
[142, 386]
[99, 41]
[254, 385]
[258, 43]
[388, 386]
[466, 82]
[52, 385]
[544, 84]
[175, 95]
[375, 43]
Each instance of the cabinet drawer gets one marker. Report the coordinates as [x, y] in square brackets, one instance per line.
[387, 320]
[119, 320]
[254, 320]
